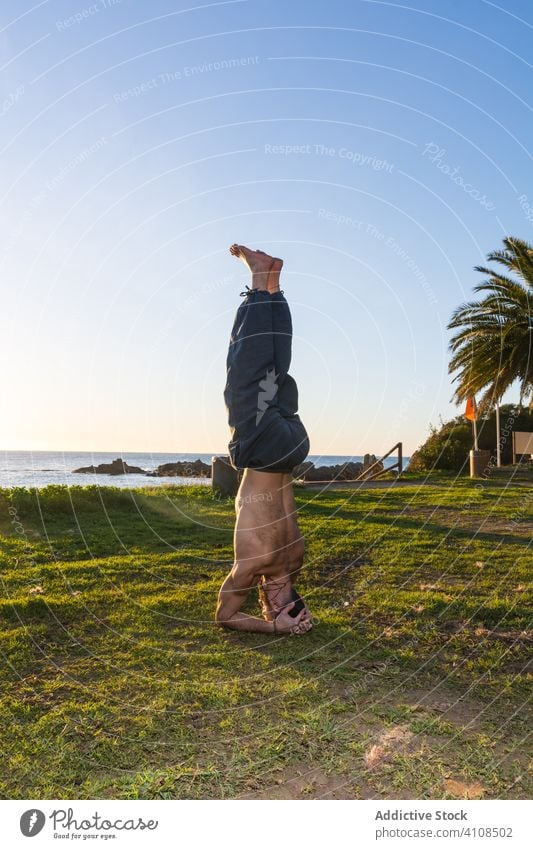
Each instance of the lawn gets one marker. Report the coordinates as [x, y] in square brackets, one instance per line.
[414, 683]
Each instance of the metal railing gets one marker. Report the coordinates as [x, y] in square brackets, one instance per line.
[364, 476]
[397, 465]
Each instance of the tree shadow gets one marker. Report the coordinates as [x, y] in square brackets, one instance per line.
[451, 531]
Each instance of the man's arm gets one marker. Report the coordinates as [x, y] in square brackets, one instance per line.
[231, 598]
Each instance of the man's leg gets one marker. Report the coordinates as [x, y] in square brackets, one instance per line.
[250, 358]
[282, 330]
[259, 393]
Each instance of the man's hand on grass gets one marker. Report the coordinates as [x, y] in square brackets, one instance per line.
[287, 624]
[306, 623]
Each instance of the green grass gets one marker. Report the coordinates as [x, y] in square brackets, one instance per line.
[116, 684]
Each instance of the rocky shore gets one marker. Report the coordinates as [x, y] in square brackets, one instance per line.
[180, 469]
[116, 467]
[198, 469]
[341, 472]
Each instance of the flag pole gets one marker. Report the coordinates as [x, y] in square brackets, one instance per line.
[471, 414]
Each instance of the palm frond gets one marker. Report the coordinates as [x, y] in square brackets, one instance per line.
[493, 346]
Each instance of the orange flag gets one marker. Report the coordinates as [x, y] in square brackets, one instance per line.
[471, 409]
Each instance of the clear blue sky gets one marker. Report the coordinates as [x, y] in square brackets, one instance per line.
[380, 148]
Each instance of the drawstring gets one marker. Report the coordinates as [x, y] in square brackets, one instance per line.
[248, 291]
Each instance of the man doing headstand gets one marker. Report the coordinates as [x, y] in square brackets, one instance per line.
[268, 439]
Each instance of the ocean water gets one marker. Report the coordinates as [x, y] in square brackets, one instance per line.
[40, 468]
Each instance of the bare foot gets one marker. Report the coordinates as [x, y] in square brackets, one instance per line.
[265, 268]
[273, 274]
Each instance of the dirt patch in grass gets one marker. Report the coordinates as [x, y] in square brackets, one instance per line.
[518, 667]
[395, 751]
[458, 789]
[456, 518]
[304, 781]
[459, 710]
[391, 740]
[339, 572]
[506, 636]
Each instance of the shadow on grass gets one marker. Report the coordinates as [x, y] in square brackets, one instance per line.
[440, 531]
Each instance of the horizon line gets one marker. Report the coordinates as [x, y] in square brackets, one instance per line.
[151, 451]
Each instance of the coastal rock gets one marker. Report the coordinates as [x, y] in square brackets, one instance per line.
[117, 467]
[369, 469]
[303, 469]
[182, 469]
[342, 471]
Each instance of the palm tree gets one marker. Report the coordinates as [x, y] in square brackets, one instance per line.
[494, 345]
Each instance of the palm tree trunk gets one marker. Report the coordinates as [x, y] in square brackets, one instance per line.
[498, 445]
